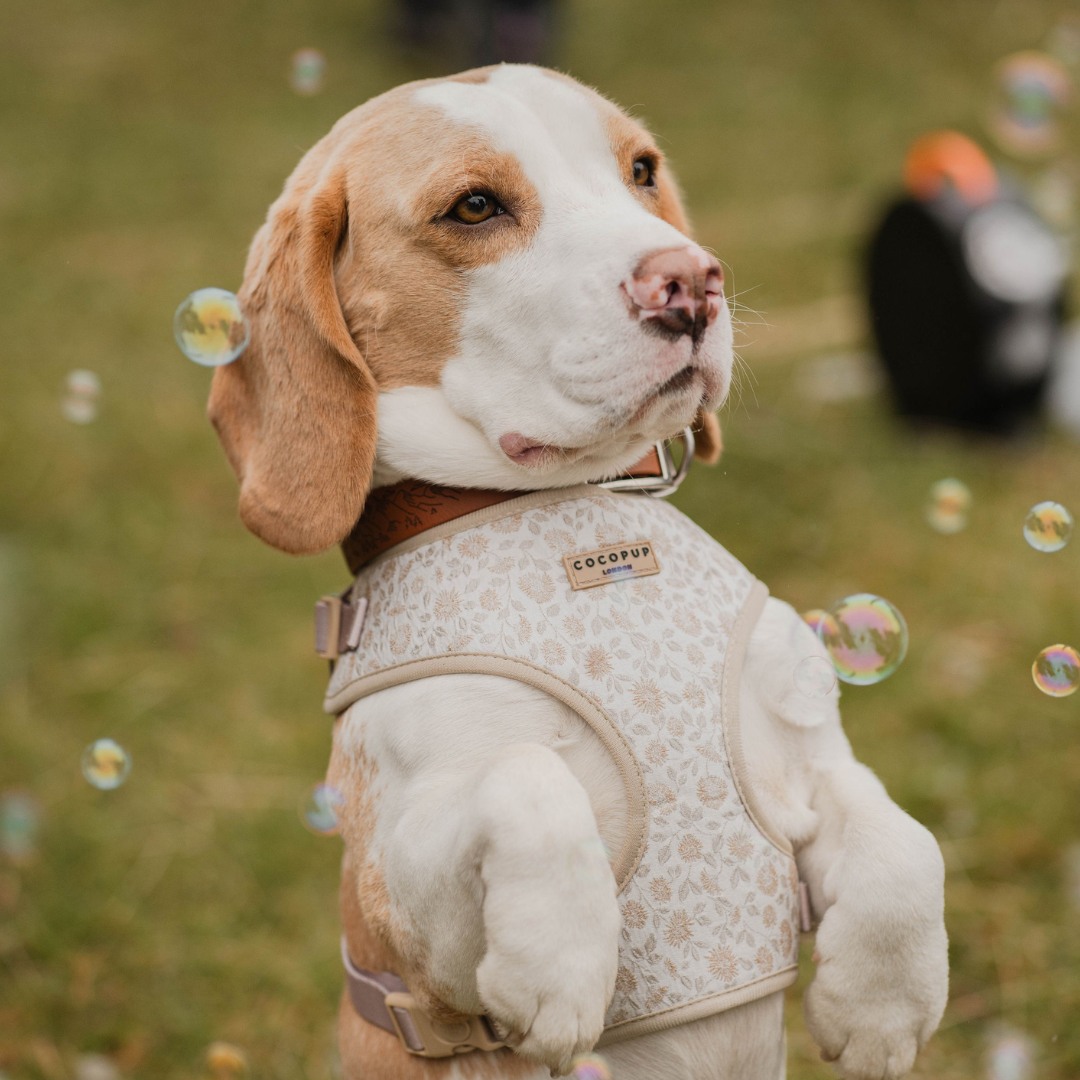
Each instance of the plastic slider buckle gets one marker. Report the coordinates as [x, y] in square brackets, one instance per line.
[327, 626]
[439, 1038]
[338, 624]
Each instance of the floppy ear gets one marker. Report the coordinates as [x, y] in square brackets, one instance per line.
[296, 413]
[707, 441]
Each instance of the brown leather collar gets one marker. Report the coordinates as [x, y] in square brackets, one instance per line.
[406, 509]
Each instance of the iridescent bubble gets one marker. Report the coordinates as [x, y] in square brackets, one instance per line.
[308, 67]
[1048, 526]
[1064, 41]
[210, 327]
[814, 677]
[590, 1067]
[948, 506]
[1053, 194]
[95, 1067]
[225, 1061]
[1056, 670]
[1010, 1057]
[1072, 873]
[1032, 88]
[81, 391]
[866, 637]
[814, 618]
[319, 811]
[19, 818]
[105, 764]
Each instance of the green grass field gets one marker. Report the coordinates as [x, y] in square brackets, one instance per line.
[140, 144]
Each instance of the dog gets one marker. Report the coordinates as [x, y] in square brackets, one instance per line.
[486, 284]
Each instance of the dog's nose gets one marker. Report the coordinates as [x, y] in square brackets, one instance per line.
[679, 289]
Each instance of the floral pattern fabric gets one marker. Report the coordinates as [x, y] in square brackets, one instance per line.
[713, 903]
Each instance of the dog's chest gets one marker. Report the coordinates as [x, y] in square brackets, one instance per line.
[651, 662]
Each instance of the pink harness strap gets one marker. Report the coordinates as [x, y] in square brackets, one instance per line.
[384, 1000]
[367, 992]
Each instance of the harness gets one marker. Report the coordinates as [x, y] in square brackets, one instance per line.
[596, 608]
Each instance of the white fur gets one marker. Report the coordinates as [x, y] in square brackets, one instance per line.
[494, 801]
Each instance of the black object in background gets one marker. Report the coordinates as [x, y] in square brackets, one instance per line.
[480, 31]
[966, 304]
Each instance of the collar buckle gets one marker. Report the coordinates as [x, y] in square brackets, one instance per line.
[671, 476]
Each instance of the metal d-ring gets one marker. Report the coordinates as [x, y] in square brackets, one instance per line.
[667, 483]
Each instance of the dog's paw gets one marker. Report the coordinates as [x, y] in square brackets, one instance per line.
[871, 1013]
[550, 1010]
[549, 971]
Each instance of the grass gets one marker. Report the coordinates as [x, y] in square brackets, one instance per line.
[140, 143]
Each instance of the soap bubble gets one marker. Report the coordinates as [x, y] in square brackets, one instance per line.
[1064, 41]
[867, 638]
[308, 67]
[814, 677]
[1053, 194]
[81, 391]
[1056, 670]
[814, 618]
[838, 378]
[319, 811]
[105, 764]
[948, 506]
[1031, 90]
[590, 1067]
[225, 1061]
[1048, 526]
[95, 1067]
[210, 327]
[19, 818]
[1010, 1057]
[1072, 873]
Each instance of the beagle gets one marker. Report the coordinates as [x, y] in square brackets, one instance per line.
[482, 289]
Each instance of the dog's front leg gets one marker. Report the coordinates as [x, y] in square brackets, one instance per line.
[551, 922]
[501, 897]
[877, 880]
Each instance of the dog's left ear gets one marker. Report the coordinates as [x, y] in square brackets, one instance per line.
[706, 427]
[707, 441]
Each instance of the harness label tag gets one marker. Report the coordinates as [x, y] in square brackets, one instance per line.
[592, 568]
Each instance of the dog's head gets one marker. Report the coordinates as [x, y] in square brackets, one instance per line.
[484, 281]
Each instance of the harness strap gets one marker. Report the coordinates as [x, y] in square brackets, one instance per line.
[383, 999]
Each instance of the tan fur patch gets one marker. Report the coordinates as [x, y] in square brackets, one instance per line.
[629, 141]
[476, 75]
[399, 274]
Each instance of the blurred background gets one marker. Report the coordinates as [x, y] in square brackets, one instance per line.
[141, 142]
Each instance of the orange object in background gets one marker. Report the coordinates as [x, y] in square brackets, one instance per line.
[949, 156]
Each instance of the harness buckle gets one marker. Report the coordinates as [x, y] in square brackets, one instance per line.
[338, 623]
[438, 1038]
[667, 483]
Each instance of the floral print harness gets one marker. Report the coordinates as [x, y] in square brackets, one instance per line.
[708, 890]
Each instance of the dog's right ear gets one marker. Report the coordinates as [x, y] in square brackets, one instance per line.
[296, 413]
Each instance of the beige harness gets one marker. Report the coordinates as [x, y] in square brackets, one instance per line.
[621, 608]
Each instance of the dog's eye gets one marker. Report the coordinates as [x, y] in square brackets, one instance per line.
[643, 173]
[472, 209]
